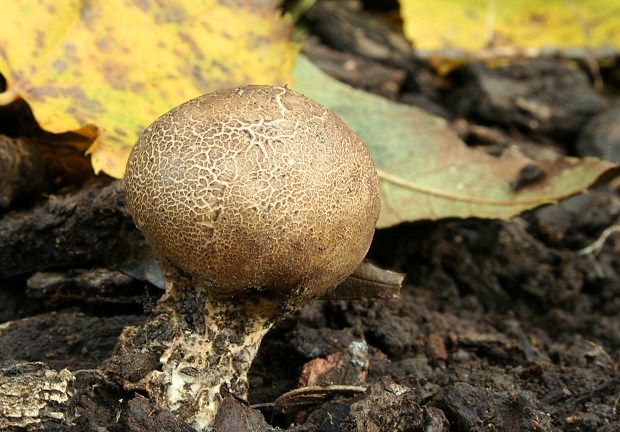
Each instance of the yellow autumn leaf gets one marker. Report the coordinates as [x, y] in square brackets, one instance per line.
[479, 24]
[121, 64]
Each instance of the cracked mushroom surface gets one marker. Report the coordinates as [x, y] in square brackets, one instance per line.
[255, 201]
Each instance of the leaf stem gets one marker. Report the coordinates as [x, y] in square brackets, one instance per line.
[399, 181]
[8, 96]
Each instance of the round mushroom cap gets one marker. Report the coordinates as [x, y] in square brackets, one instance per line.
[255, 187]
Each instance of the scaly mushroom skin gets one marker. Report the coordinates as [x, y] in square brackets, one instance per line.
[255, 201]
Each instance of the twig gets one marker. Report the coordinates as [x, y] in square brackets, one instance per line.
[593, 250]
[597, 267]
[590, 58]
[503, 52]
[489, 31]
[607, 356]
[309, 396]
[595, 247]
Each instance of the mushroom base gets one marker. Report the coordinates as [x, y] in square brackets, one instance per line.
[205, 348]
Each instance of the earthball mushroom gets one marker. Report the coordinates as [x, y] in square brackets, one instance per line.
[255, 200]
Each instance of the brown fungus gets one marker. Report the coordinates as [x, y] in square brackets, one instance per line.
[255, 200]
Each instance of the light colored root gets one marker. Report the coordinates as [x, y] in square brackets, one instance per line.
[593, 250]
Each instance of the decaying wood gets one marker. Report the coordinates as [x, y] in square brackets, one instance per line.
[346, 29]
[21, 171]
[89, 226]
[355, 70]
[63, 339]
[39, 161]
[236, 416]
[34, 396]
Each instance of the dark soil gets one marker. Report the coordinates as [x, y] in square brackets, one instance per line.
[501, 326]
